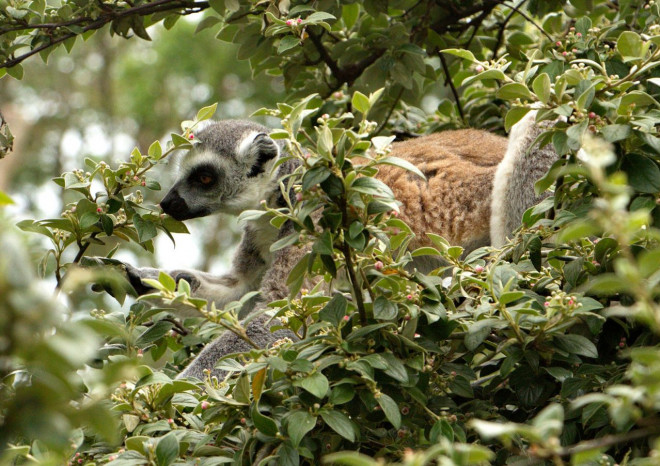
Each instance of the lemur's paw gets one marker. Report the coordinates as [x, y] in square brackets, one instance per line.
[136, 275]
[116, 282]
[132, 274]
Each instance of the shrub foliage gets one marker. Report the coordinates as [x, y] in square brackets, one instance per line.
[541, 351]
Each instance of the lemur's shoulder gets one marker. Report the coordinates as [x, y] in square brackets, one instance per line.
[463, 146]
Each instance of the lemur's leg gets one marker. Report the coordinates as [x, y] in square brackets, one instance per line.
[273, 288]
[513, 185]
[248, 268]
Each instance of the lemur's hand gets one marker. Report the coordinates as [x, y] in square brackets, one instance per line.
[132, 275]
[136, 275]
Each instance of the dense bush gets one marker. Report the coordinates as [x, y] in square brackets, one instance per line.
[541, 351]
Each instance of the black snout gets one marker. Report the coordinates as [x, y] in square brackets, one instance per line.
[174, 205]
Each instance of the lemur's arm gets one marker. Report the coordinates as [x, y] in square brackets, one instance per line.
[248, 268]
[513, 185]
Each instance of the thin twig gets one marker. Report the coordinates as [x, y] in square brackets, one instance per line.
[500, 33]
[449, 81]
[524, 15]
[389, 114]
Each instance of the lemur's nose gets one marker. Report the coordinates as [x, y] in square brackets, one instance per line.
[174, 205]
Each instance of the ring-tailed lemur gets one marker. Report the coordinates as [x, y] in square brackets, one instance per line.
[231, 170]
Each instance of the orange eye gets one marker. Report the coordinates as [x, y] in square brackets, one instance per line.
[205, 179]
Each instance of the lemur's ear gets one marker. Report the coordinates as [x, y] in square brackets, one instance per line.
[257, 150]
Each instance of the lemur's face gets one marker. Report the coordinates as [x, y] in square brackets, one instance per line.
[228, 171]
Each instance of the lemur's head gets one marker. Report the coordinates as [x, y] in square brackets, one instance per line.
[229, 170]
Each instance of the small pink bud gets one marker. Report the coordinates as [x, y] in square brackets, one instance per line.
[99, 210]
[479, 268]
[325, 116]
[571, 302]
[417, 335]
[346, 318]
[136, 178]
[546, 304]
[394, 213]
[407, 318]
[409, 297]
[170, 420]
[378, 265]
[479, 68]
[574, 50]
[558, 44]
[579, 34]
[338, 95]
[622, 344]
[571, 28]
[243, 420]
[289, 22]
[592, 115]
[205, 405]
[299, 197]
[144, 183]
[299, 21]
[564, 53]
[191, 136]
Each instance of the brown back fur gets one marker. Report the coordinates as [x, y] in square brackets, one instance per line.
[454, 200]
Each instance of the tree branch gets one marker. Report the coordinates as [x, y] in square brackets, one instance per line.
[159, 6]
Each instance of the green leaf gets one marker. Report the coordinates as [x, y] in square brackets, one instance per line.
[335, 310]
[323, 245]
[264, 424]
[643, 173]
[576, 344]
[488, 74]
[384, 309]
[315, 176]
[5, 199]
[514, 115]
[390, 408]
[630, 45]
[462, 53]
[397, 162]
[284, 242]
[350, 458]
[287, 43]
[340, 423]
[146, 229]
[316, 384]
[510, 296]
[542, 86]
[206, 112]
[512, 91]
[341, 394]
[167, 450]
[613, 133]
[153, 333]
[350, 14]
[15, 71]
[360, 102]
[298, 424]
[367, 185]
